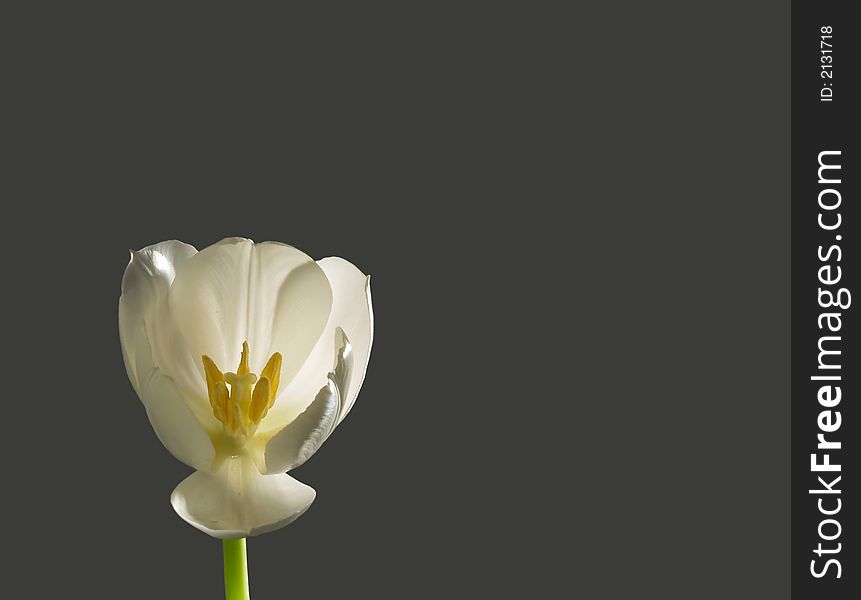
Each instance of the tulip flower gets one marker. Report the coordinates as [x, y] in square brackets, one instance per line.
[246, 358]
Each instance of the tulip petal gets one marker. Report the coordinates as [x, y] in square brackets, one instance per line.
[147, 278]
[343, 371]
[353, 313]
[175, 425]
[271, 295]
[299, 440]
[237, 501]
[303, 301]
[172, 420]
[208, 301]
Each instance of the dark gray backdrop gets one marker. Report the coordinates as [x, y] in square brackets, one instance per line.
[577, 227]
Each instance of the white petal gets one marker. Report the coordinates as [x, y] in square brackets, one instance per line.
[172, 420]
[271, 295]
[352, 311]
[299, 440]
[343, 371]
[146, 279]
[237, 501]
[146, 282]
[208, 301]
[303, 301]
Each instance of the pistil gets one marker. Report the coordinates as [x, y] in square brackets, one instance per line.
[241, 408]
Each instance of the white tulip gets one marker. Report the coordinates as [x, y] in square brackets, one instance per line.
[300, 332]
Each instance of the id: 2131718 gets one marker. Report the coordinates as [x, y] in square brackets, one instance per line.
[826, 58]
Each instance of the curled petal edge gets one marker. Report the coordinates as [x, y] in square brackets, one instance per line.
[299, 440]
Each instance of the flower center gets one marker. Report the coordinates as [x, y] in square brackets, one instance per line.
[241, 408]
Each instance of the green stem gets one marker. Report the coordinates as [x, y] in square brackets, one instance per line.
[235, 570]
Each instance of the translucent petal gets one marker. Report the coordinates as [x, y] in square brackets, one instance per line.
[271, 295]
[237, 501]
[299, 440]
[172, 420]
[352, 311]
[146, 280]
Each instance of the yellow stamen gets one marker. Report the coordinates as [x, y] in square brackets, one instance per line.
[260, 400]
[242, 369]
[272, 372]
[213, 374]
[220, 400]
[241, 409]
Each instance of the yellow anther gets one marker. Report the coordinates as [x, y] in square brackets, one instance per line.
[272, 372]
[236, 420]
[242, 369]
[220, 400]
[213, 374]
[241, 409]
[260, 400]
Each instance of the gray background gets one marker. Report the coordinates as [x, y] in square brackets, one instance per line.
[577, 227]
